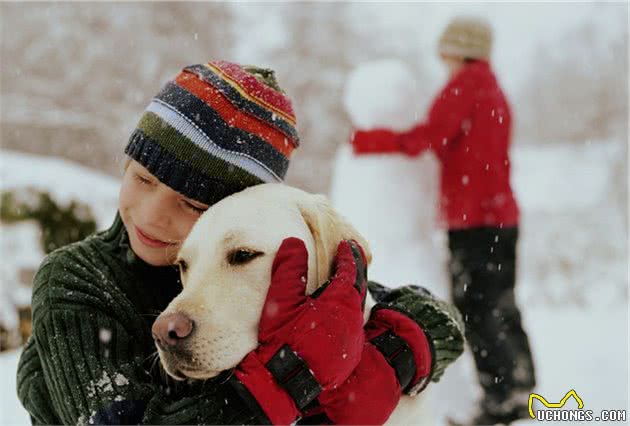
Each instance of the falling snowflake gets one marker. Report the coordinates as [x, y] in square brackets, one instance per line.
[105, 335]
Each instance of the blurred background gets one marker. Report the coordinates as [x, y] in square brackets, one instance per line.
[76, 76]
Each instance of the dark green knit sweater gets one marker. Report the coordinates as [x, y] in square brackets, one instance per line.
[89, 359]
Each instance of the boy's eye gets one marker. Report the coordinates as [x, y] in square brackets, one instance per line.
[194, 208]
[242, 256]
[142, 179]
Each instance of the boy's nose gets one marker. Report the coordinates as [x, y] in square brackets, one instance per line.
[168, 330]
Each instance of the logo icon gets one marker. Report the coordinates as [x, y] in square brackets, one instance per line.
[571, 393]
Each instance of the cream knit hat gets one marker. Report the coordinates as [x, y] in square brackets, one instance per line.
[467, 37]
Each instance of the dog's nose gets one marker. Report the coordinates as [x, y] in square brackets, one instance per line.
[170, 329]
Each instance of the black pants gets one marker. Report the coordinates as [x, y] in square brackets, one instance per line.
[483, 273]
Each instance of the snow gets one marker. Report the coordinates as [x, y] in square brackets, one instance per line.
[19, 242]
[582, 167]
[120, 380]
[368, 191]
[573, 348]
[11, 411]
[20, 251]
[59, 177]
[393, 84]
[102, 385]
[105, 335]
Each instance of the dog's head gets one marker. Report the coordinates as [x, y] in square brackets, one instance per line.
[226, 269]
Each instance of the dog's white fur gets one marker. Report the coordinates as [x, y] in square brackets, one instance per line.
[225, 300]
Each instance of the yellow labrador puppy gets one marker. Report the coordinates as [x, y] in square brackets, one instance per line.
[224, 289]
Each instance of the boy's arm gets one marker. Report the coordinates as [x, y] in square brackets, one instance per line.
[440, 321]
[448, 117]
[93, 362]
[31, 387]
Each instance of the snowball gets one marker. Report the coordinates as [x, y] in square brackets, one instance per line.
[381, 94]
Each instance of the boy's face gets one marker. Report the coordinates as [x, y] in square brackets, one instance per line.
[157, 218]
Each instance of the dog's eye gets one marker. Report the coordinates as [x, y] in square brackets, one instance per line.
[242, 256]
[183, 266]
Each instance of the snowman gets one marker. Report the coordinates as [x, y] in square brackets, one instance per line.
[390, 198]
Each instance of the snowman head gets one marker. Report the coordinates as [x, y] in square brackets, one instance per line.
[381, 94]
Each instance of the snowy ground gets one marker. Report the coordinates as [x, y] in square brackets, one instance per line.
[573, 348]
[572, 277]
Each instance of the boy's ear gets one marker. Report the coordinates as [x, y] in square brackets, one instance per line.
[328, 228]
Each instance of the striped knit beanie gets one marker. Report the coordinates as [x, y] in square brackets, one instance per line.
[467, 37]
[216, 129]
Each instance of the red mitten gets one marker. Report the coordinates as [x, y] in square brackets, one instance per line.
[307, 344]
[375, 141]
[396, 357]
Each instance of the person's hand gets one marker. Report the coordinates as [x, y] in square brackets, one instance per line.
[307, 344]
[396, 358]
[374, 141]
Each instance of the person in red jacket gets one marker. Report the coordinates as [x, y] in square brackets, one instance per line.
[469, 128]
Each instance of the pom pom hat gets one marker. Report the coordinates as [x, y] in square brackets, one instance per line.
[215, 129]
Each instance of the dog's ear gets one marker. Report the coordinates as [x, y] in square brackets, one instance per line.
[328, 228]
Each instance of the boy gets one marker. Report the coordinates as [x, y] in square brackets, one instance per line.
[214, 130]
[469, 129]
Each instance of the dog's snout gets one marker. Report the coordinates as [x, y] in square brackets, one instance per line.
[168, 330]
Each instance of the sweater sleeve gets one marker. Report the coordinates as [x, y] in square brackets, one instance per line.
[92, 359]
[31, 387]
[441, 322]
[447, 118]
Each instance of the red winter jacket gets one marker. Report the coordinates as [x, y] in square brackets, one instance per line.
[468, 128]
